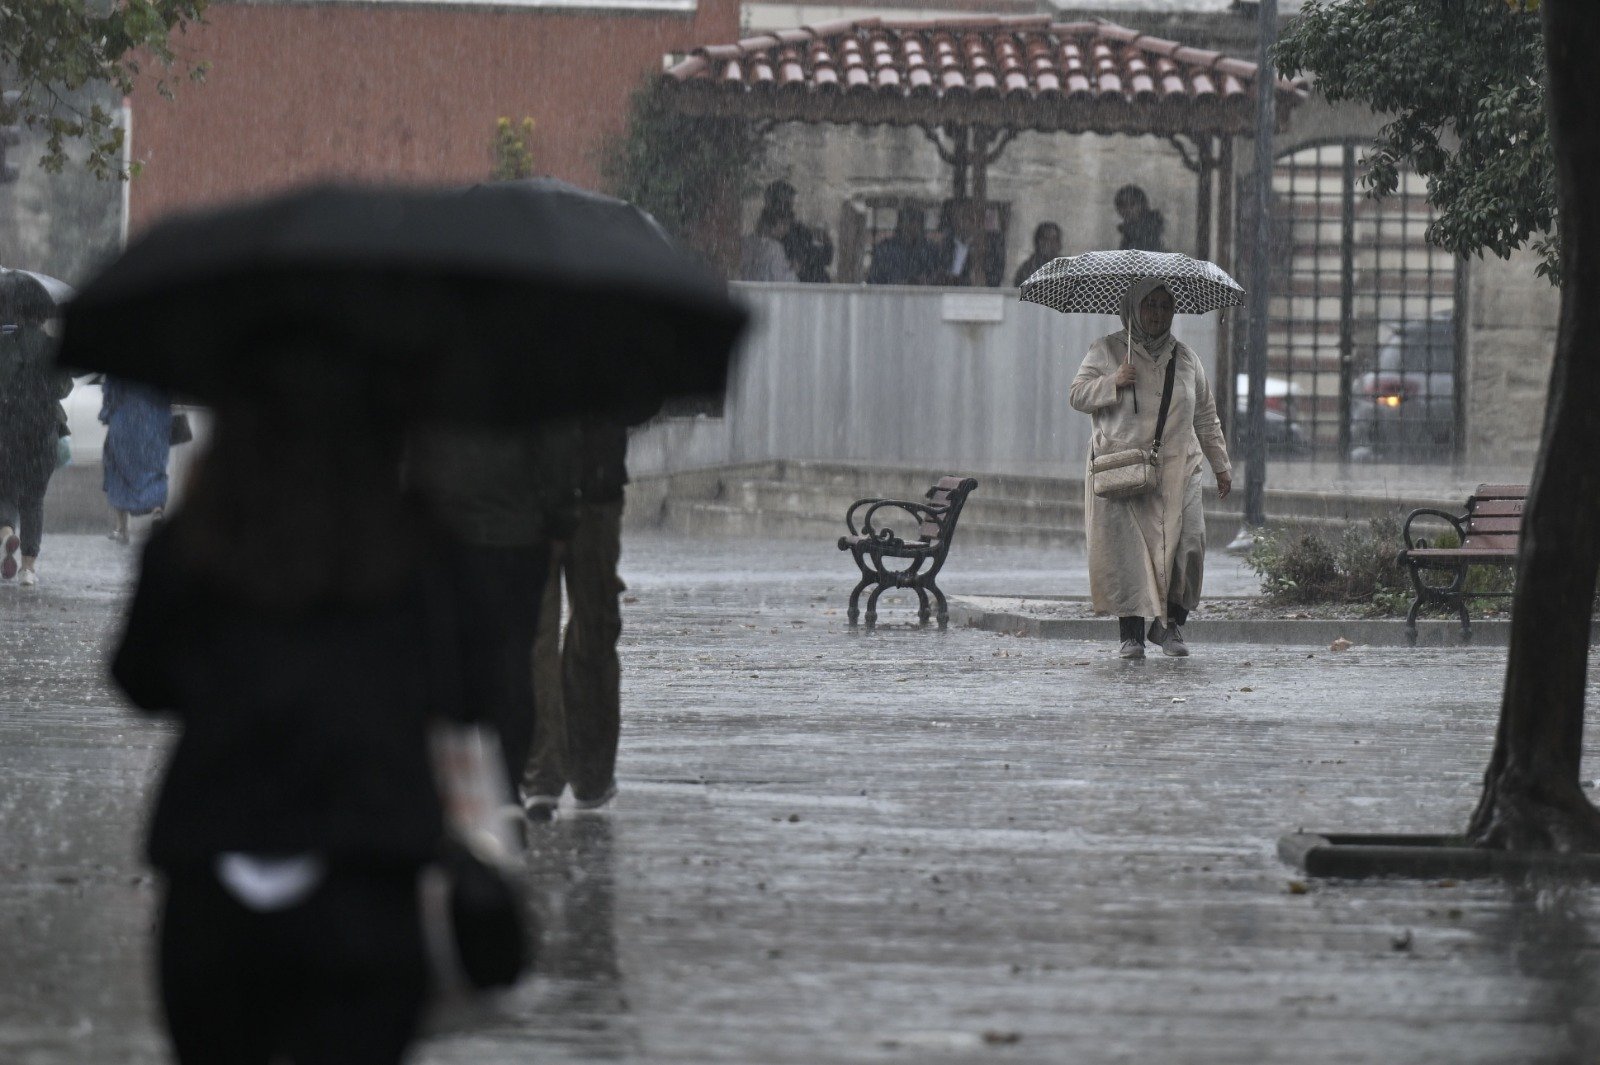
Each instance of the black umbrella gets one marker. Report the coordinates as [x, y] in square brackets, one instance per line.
[492, 303]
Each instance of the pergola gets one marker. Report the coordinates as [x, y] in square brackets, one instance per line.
[972, 84]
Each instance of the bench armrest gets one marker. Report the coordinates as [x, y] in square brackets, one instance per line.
[920, 511]
[1456, 522]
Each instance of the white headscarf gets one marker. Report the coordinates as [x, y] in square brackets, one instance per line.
[1154, 346]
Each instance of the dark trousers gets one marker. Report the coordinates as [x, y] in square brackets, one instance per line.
[22, 506]
[1132, 628]
[507, 587]
[579, 680]
[340, 979]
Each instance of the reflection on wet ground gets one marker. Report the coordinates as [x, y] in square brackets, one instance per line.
[836, 846]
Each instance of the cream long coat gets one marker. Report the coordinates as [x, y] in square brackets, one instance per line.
[1136, 544]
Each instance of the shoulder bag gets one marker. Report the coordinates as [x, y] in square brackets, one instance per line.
[1133, 472]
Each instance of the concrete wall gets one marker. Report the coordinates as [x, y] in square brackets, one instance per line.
[878, 374]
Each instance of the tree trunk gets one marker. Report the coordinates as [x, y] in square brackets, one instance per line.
[1532, 799]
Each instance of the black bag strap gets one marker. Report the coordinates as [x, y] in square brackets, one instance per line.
[1166, 401]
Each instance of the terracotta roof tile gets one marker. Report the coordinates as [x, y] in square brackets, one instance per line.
[1013, 60]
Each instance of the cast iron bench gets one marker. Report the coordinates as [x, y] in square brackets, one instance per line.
[1488, 534]
[870, 544]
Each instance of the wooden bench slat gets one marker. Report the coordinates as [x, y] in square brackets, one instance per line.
[1493, 525]
[1501, 491]
[1497, 508]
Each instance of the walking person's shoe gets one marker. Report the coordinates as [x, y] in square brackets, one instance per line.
[1170, 639]
[1132, 649]
[28, 578]
[540, 808]
[589, 805]
[8, 556]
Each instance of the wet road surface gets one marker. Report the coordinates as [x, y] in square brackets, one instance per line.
[903, 846]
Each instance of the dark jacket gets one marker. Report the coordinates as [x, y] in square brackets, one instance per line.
[809, 252]
[901, 262]
[501, 487]
[303, 733]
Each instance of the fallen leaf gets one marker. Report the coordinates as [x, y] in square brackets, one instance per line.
[1298, 887]
[630, 599]
[1401, 941]
[1247, 689]
[994, 1038]
[1341, 644]
[794, 818]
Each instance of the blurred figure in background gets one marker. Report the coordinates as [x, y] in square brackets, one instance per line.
[507, 495]
[968, 256]
[808, 249]
[31, 421]
[138, 421]
[1142, 229]
[1046, 246]
[761, 255]
[907, 256]
[299, 806]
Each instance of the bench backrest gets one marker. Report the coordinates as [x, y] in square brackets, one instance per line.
[1494, 516]
[951, 493]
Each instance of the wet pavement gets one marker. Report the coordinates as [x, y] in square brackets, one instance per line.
[899, 846]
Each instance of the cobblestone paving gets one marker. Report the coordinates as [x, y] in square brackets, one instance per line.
[903, 846]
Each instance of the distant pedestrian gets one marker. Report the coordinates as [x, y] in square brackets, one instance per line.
[1147, 552]
[907, 256]
[577, 675]
[809, 249]
[138, 421]
[31, 422]
[1046, 246]
[761, 255]
[298, 808]
[968, 255]
[1142, 227]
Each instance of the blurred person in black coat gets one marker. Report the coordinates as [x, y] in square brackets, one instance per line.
[291, 619]
[31, 421]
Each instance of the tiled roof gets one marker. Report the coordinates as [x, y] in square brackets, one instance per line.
[1024, 71]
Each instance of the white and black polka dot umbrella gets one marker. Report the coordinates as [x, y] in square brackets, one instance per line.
[1093, 283]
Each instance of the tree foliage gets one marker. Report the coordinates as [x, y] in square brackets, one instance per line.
[51, 49]
[1463, 84]
[512, 150]
[681, 168]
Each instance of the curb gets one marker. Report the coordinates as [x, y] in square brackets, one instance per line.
[1422, 857]
[1275, 632]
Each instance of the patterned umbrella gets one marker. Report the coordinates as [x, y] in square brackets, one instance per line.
[1093, 283]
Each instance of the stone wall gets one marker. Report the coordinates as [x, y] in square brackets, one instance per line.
[1510, 343]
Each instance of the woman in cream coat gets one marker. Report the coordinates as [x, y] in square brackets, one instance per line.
[1147, 552]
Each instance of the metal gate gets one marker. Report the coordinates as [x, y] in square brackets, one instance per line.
[1362, 353]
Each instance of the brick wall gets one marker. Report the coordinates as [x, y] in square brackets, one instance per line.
[404, 92]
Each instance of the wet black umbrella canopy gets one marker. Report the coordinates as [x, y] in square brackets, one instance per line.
[491, 303]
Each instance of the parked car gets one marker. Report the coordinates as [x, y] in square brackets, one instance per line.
[1283, 432]
[1405, 406]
